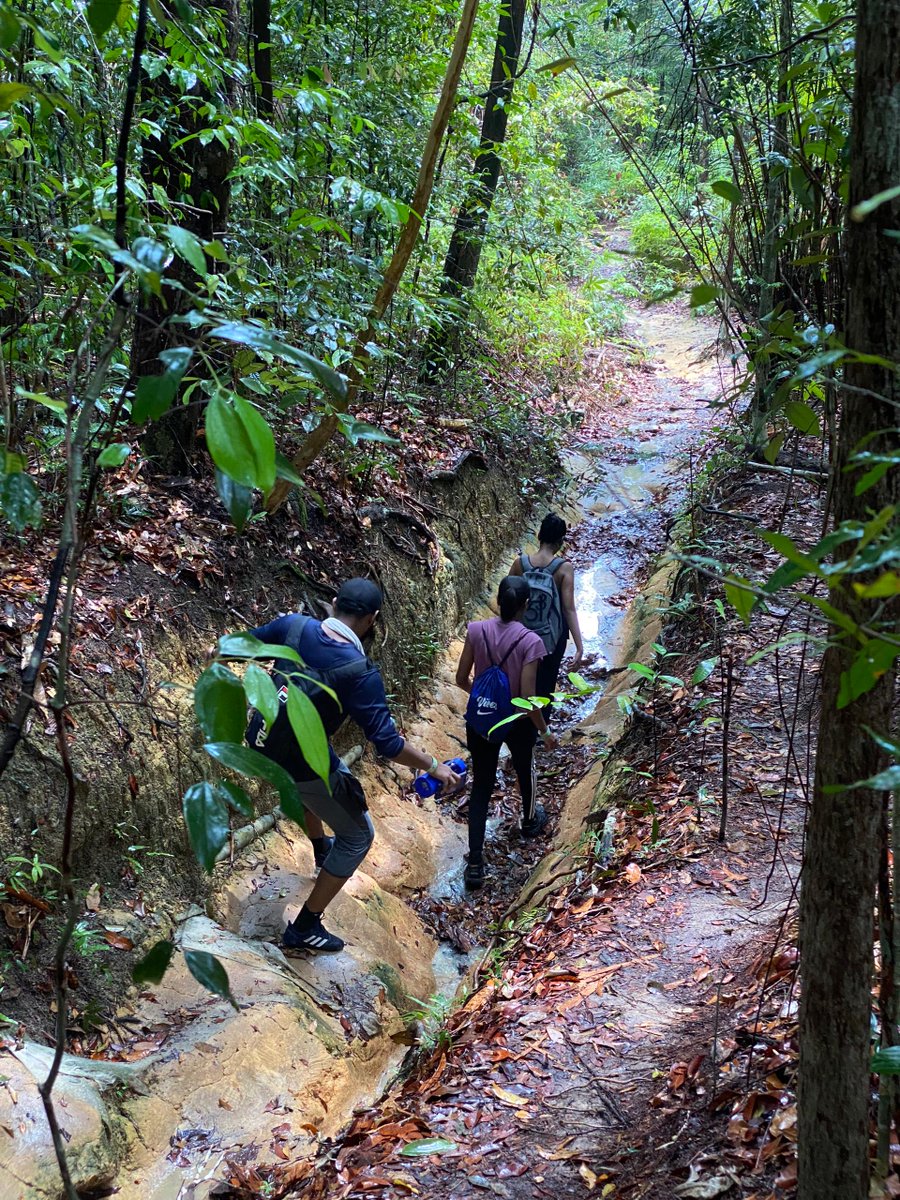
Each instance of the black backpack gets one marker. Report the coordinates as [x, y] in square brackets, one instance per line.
[279, 742]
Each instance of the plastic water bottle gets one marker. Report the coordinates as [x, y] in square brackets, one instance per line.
[427, 785]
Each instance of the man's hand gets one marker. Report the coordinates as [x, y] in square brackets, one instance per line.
[550, 740]
[444, 775]
[578, 661]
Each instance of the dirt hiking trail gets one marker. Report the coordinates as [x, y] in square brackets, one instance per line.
[634, 1036]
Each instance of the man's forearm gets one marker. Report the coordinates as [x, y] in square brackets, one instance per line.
[418, 760]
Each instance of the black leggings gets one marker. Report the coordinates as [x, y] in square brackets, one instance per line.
[520, 737]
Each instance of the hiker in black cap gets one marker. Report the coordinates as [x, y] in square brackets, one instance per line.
[332, 651]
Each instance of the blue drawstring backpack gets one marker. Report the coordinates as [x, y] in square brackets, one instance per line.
[490, 700]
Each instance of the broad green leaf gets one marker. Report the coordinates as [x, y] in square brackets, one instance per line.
[209, 972]
[255, 765]
[814, 365]
[840, 619]
[429, 1145]
[10, 28]
[362, 431]
[885, 743]
[580, 684]
[153, 396]
[176, 359]
[802, 417]
[153, 965]
[240, 442]
[703, 670]
[872, 476]
[261, 693]
[113, 455]
[293, 809]
[152, 255]
[206, 818]
[20, 500]
[559, 65]
[886, 1060]
[309, 731]
[11, 92]
[884, 586]
[238, 500]
[245, 645]
[101, 15]
[860, 211]
[872, 660]
[739, 595]
[521, 702]
[188, 246]
[219, 705]
[506, 721]
[642, 669]
[785, 546]
[773, 449]
[885, 781]
[728, 190]
[284, 470]
[703, 293]
[876, 526]
[57, 406]
[261, 339]
[236, 797]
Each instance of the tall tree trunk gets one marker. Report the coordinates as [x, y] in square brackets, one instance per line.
[773, 215]
[320, 436]
[197, 177]
[467, 242]
[260, 21]
[840, 871]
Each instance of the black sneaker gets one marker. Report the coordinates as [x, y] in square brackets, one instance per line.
[315, 937]
[533, 827]
[321, 849]
[474, 875]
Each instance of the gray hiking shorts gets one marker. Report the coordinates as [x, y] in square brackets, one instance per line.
[344, 811]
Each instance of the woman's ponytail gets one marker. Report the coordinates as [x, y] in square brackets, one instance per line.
[512, 596]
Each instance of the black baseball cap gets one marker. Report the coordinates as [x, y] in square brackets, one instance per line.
[359, 597]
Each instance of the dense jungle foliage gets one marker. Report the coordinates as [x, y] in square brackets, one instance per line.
[236, 237]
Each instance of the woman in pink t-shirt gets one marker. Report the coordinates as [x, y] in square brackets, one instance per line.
[505, 640]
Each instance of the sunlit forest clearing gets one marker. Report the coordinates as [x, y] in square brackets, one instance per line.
[450, 560]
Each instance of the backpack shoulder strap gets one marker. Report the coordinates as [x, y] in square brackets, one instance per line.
[511, 648]
[299, 622]
[554, 566]
[487, 645]
[348, 670]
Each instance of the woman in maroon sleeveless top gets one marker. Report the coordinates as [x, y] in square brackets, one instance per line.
[503, 639]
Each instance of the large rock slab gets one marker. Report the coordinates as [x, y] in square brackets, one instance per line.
[310, 1039]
